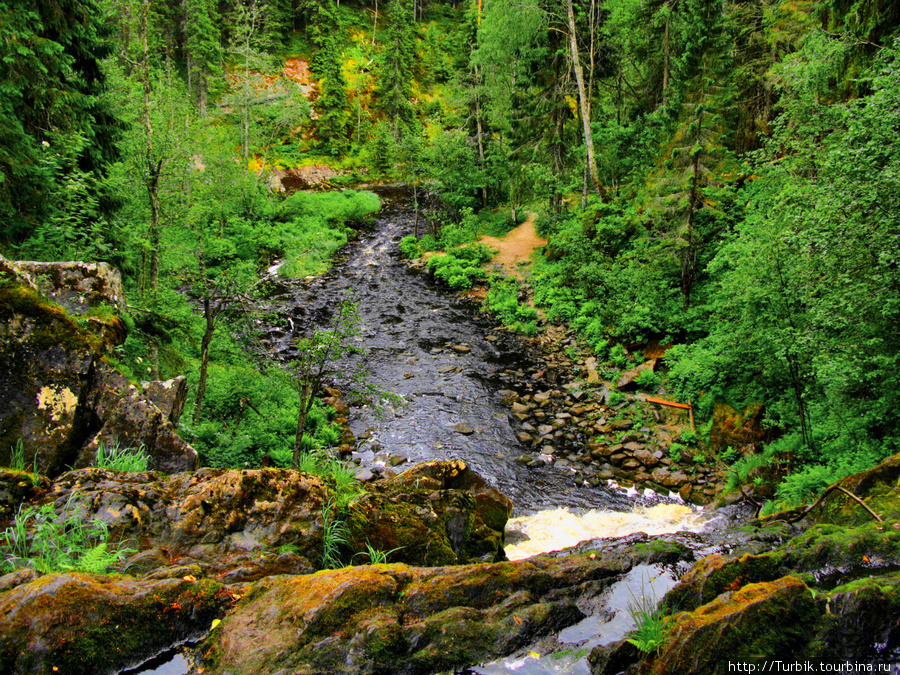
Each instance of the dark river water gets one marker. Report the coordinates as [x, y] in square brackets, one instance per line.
[441, 354]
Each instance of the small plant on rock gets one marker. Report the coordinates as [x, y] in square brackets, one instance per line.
[649, 623]
[336, 537]
[118, 458]
[58, 543]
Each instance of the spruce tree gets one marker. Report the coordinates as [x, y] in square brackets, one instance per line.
[395, 67]
[54, 122]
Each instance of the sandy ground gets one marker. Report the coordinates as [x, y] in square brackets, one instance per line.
[516, 247]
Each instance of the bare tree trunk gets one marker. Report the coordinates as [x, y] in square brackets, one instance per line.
[209, 315]
[480, 133]
[583, 103]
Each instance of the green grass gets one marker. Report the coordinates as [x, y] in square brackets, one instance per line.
[58, 543]
[118, 458]
[649, 623]
[336, 537]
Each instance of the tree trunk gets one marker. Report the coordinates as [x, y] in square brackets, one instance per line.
[583, 103]
[208, 313]
[306, 398]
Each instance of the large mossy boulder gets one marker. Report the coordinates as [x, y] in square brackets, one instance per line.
[435, 513]
[210, 516]
[394, 619]
[83, 624]
[62, 397]
[769, 620]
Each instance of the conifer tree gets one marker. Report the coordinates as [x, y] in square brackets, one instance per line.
[395, 67]
[332, 105]
[202, 47]
[54, 122]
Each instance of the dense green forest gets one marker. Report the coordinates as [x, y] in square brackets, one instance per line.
[719, 175]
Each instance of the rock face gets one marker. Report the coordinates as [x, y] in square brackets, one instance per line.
[77, 286]
[86, 624]
[395, 619]
[61, 396]
[210, 516]
[220, 519]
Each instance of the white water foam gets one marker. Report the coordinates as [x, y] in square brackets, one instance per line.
[556, 529]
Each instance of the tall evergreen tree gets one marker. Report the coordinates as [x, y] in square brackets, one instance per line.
[54, 121]
[395, 67]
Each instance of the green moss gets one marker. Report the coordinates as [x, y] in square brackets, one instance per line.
[53, 326]
[92, 624]
[831, 546]
[660, 551]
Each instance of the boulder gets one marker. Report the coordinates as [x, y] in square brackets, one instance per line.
[210, 515]
[398, 619]
[61, 395]
[86, 624]
[77, 286]
[168, 396]
[434, 513]
[770, 620]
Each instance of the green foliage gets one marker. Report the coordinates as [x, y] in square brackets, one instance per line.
[318, 462]
[648, 380]
[729, 455]
[459, 268]
[409, 247]
[118, 458]
[502, 300]
[17, 456]
[335, 537]
[377, 557]
[649, 623]
[675, 450]
[614, 398]
[59, 131]
[688, 437]
[47, 542]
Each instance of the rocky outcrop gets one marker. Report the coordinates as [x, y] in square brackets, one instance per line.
[827, 594]
[235, 523]
[398, 619]
[61, 395]
[86, 624]
[211, 517]
[435, 513]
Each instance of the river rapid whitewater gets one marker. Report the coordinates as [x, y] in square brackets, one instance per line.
[447, 361]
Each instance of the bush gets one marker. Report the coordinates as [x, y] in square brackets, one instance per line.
[409, 247]
[647, 380]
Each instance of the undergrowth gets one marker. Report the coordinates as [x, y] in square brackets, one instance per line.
[42, 540]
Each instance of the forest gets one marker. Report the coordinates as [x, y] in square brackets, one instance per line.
[717, 176]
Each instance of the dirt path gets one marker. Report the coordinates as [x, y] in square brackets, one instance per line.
[516, 247]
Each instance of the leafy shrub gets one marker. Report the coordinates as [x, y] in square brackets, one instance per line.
[688, 437]
[409, 247]
[649, 623]
[614, 398]
[428, 243]
[118, 458]
[729, 455]
[647, 380]
[618, 355]
[675, 451]
[502, 300]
